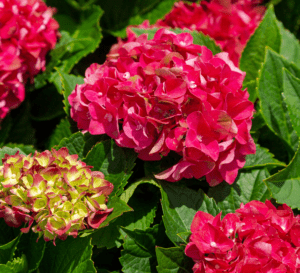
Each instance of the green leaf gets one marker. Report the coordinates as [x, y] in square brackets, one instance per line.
[111, 160]
[285, 185]
[9, 151]
[75, 144]
[7, 233]
[7, 251]
[262, 158]
[46, 103]
[33, 249]
[290, 47]
[248, 186]
[69, 256]
[291, 92]
[5, 269]
[180, 205]
[26, 149]
[198, 37]
[61, 131]
[173, 260]
[144, 205]
[18, 265]
[273, 108]
[120, 14]
[6, 125]
[139, 250]
[267, 34]
[185, 236]
[68, 83]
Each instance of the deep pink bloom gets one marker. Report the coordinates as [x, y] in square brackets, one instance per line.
[256, 238]
[168, 94]
[27, 33]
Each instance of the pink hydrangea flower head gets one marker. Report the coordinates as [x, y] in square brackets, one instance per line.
[54, 192]
[168, 94]
[27, 33]
[256, 238]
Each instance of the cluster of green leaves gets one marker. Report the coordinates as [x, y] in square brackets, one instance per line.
[150, 224]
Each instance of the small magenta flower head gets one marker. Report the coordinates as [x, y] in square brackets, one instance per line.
[56, 194]
[256, 238]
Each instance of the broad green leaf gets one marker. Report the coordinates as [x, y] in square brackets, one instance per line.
[7, 251]
[7, 233]
[22, 130]
[69, 256]
[262, 158]
[26, 149]
[285, 185]
[180, 205]
[120, 14]
[248, 186]
[18, 265]
[6, 125]
[198, 37]
[185, 236]
[139, 250]
[9, 151]
[132, 187]
[68, 83]
[273, 107]
[144, 205]
[111, 160]
[173, 260]
[251, 88]
[291, 92]
[46, 103]
[5, 269]
[267, 34]
[75, 144]
[33, 249]
[290, 47]
[61, 131]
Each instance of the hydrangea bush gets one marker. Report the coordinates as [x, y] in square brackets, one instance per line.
[154, 136]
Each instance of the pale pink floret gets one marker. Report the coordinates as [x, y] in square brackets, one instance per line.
[53, 191]
[168, 94]
[27, 33]
[256, 238]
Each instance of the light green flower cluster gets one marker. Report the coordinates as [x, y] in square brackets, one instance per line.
[54, 192]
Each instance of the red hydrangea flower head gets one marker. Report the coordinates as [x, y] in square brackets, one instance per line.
[27, 33]
[256, 238]
[53, 191]
[168, 94]
[229, 22]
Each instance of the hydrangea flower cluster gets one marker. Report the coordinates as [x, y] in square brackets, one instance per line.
[229, 22]
[168, 94]
[27, 33]
[256, 238]
[55, 190]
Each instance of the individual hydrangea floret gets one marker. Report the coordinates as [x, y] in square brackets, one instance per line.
[168, 94]
[256, 238]
[27, 33]
[56, 194]
[229, 22]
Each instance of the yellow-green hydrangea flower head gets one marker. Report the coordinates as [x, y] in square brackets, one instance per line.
[54, 192]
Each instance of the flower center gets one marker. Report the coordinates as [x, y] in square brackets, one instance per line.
[126, 75]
